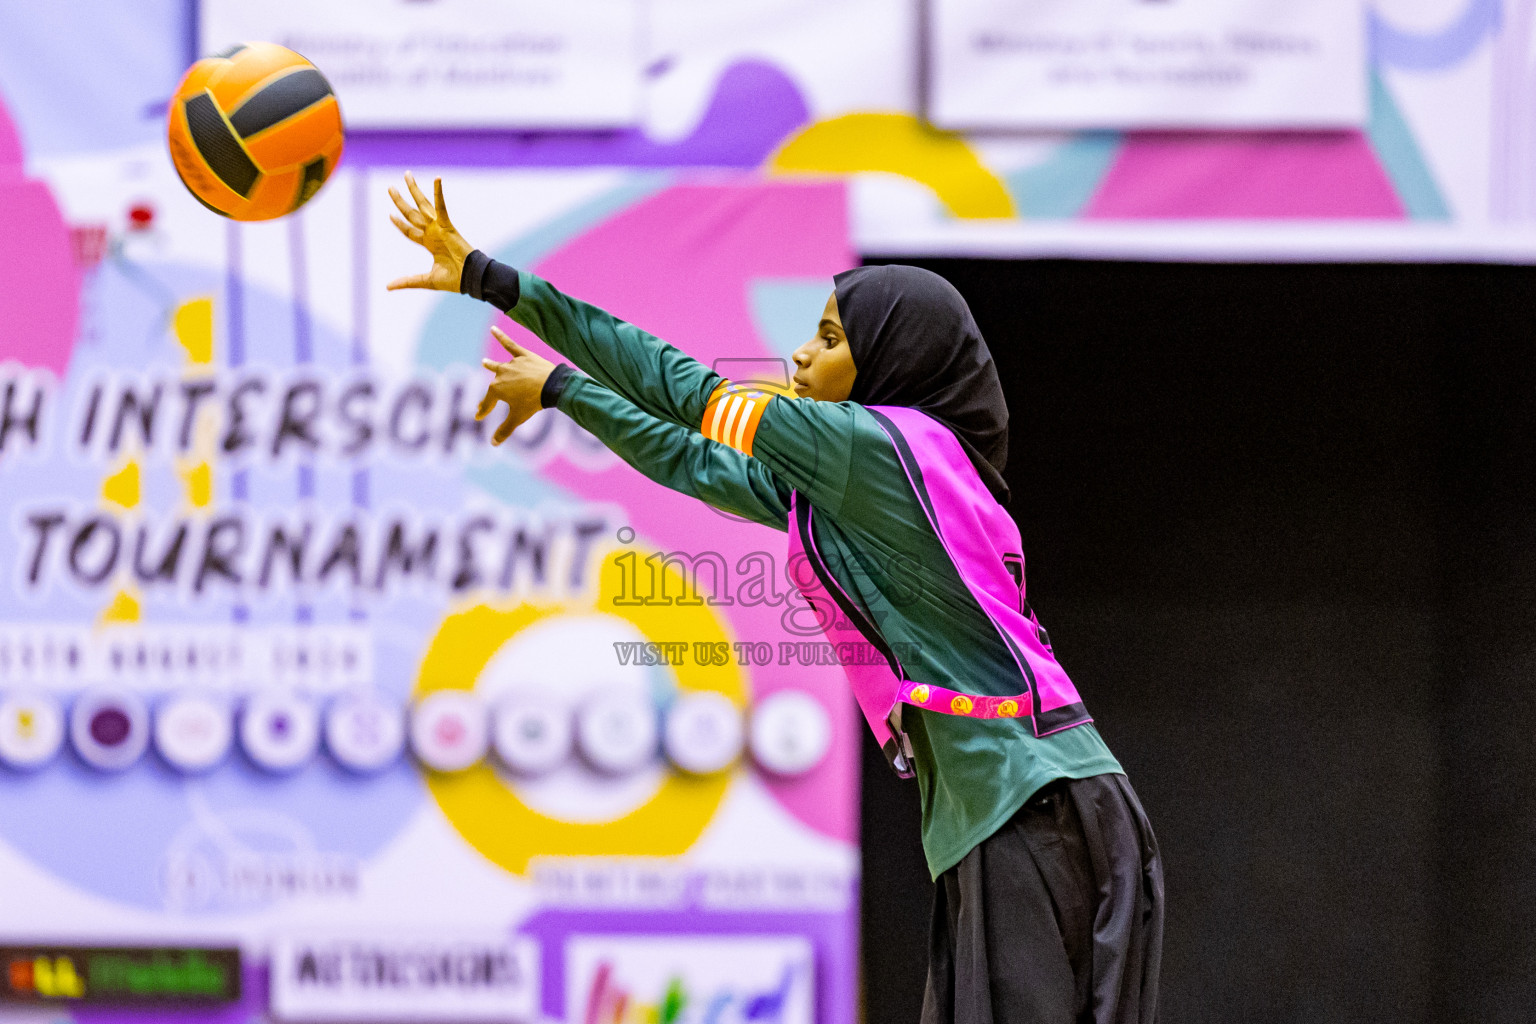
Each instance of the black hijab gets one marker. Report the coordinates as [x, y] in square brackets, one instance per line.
[916, 345]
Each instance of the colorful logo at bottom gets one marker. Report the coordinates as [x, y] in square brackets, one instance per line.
[714, 979]
[125, 976]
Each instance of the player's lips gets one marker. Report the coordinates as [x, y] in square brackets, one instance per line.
[799, 384]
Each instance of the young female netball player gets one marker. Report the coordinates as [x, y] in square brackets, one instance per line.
[885, 468]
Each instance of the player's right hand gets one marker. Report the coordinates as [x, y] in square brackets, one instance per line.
[427, 224]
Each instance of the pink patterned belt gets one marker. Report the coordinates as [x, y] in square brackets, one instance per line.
[953, 702]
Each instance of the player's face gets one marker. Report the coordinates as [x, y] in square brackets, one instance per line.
[824, 367]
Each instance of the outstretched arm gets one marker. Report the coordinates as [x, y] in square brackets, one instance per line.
[641, 386]
[673, 456]
[660, 379]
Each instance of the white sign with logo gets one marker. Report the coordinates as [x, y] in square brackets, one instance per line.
[358, 977]
[610, 979]
[454, 63]
[1065, 64]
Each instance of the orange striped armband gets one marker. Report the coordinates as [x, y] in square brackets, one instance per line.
[735, 410]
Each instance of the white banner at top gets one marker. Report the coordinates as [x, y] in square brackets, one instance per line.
[454, 63]
[1074, 64]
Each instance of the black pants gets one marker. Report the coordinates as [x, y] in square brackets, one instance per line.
[1056, 918]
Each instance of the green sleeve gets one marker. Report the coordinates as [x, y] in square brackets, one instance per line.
[677, 457]
[810, 446]
[800, 443]
[646, 371]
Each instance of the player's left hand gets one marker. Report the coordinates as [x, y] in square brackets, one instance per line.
[519, 382]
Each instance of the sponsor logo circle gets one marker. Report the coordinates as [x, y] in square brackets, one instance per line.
[920, 694]
[364, 733]
[193, 731]
[532, 737]
[279, 731]
[1008, 709]
[109, 729]
[31, 729]
[790, 733]
[617, 733]
[449, 730]
[961, 705]
[703, 733]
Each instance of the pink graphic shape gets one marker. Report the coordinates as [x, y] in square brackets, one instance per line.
[40, 296]
[680, 264]
[10, 141]
[1183, 175]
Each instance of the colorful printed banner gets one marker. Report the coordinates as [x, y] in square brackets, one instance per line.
[288, 649]
[1085, 64]
[464, 63]
[1440, 167]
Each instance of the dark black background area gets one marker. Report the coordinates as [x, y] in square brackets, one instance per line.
[1280, 524]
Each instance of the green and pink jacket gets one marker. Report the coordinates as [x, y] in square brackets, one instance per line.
[894, 541]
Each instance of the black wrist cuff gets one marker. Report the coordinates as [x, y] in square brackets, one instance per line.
[484, 278]
[554, 384]
[474, 270]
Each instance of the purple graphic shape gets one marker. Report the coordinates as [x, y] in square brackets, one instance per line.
[755, 106]
[39, 319]
[1431, 51]
[1189, 175]
[278, 725]
[834, 937]
[110, 726]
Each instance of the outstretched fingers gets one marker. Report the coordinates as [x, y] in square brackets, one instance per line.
[421, 200]
[410, 281]
[410, 213]
[415, 234]
[507, 343]
[442, 207]
[505, 430]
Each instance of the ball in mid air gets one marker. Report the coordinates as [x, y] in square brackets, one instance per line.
[254, 131]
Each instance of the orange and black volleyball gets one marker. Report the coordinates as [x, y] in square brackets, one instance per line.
[254, 131]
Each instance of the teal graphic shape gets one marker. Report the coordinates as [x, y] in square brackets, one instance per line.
[785, 311]
[1400, 157]
[1061, 187]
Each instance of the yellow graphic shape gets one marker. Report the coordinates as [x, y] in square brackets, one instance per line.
[899, 144]
[1008, 709]
[193, 324]
[122, 487]
[920, 694]
[198, 479]
[489, 815]
[124, 608]
[961, 705]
